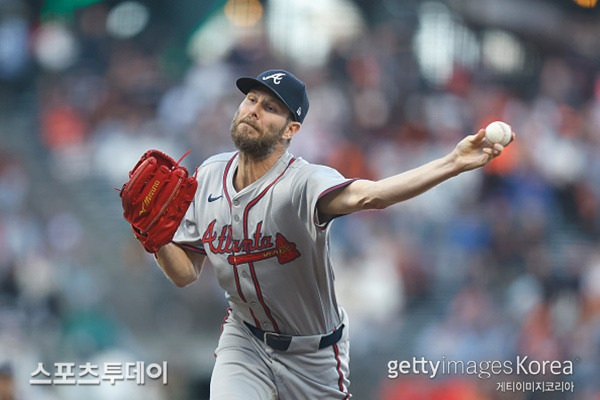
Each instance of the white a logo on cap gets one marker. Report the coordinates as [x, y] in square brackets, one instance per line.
[276, 77]
[299, 110]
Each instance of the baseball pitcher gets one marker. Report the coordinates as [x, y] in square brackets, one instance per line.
[261, 215]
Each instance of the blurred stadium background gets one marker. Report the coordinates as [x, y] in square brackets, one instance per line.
[493, 264]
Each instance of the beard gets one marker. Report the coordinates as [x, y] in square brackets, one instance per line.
[258, 147]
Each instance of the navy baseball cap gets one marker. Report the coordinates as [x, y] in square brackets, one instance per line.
[282, 84]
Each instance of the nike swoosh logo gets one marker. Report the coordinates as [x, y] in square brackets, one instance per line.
[211, 199]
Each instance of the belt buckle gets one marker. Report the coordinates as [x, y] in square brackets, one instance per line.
[277, 341]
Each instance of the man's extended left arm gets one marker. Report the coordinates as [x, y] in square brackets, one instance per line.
[470, 153]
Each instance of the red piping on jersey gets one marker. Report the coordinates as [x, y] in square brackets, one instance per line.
[225, 179]
[256, 321]
[336, 352]
[226, 193]
[331, 189]
[223, 325]
[251, 204]
[237, 284]
[225, 319]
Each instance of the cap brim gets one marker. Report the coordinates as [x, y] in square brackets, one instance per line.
[247, 84]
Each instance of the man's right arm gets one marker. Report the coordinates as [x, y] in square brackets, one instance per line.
[181, 266]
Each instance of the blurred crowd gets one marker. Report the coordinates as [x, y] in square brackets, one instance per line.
[495, 263]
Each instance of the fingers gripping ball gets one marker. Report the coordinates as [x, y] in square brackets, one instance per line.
[156, 198]
[498, 132]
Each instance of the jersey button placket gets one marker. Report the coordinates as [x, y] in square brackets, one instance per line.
[239, 228]
[236, 203]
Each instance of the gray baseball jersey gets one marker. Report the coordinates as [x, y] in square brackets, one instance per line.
[270, 254]
[266, 243]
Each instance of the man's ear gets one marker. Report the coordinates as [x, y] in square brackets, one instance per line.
[292, 128]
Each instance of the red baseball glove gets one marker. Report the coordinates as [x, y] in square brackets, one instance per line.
[156, 198]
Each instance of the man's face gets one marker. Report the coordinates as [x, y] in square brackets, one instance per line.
[259, 124]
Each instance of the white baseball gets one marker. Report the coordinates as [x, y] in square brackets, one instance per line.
[498, 132]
